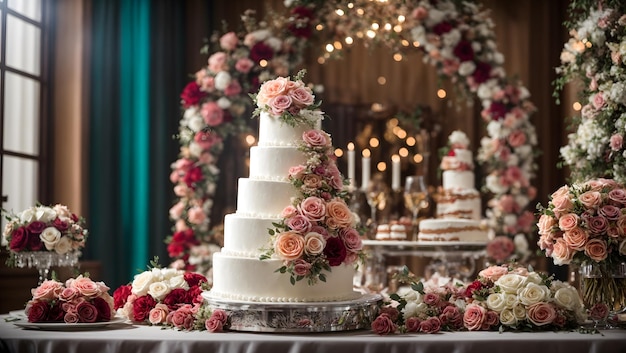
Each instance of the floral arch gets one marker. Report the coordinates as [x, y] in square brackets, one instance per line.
[456, 38]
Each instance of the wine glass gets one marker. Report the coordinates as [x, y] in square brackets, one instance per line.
[376, 194]
[415, 197]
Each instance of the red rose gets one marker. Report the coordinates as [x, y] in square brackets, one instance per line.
[142, 307]
[19, 239]
[60, 225]
[383, 325]
[482, 72]
[120, 296]
[175, 249]
[193, 175]
[194, 295]
[430, 325]
[599, 311]
[176, 297]
[36, 227]
[103, 308]
[452, 316]
[191, 94]
[194, 279]
[34, 242]
[86, 312]
[301, 27]
[497, 110]
[214, 325]
[474, 286]
[392, 312]
[56, 313]
[442, 28]
[335, 251]
[37, 311]
[261, 51]
[464, 51]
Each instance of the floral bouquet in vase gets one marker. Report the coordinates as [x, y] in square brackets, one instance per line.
[585, 224]
[78, 300]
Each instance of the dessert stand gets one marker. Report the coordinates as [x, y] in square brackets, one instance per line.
[298, 317]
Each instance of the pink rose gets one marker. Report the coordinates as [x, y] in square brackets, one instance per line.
[617, 141]
[299, 224]
[217, 322]
[301, 267]
[296, 172]
[316, 138]
[383, 325]
[599, 311]
[289, 246]
[598, 100]
[339, 212]
[517, 138]
[279, 104]
[312, 181]
[233, 88]
[229, 41]
[182, 318]
[177, 210]
[86, 312]
[302, 97]
[271, 89]
[48, 290]
[568, 221]
[596, 249]
[431, 299]
[590, 199]
[244, 65]
[500, 248]
[420, 13]
[508, 204]
[218, 62]
[546, 223]
[68, 294]
[321, 230]
[561, 253]
[430, 325]
[289, 211]
[618, 197]
[597, 224]
[562, 191]
[412, 324]
[158, 314]
[352, 239]
[334, 176]
[610, 212]
[213, 115]
[492, 319]
[314, 243]
[196, 215]
[474, 317]
[313, 208]
[492, 273]
[71, 317]
[541, 313]
[576, 238]
[451, 315]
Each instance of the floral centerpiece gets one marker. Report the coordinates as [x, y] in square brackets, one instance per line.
[78, 300]
[504, 298]
[167, 297]
[317, 230]
[594, 56]
[585, 224]
[214, 105]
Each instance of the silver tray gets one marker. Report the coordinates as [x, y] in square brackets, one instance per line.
[298, 317]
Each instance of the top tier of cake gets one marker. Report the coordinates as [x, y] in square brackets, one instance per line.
[275, 132]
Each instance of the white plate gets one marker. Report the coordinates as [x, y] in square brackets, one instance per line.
[62, 326]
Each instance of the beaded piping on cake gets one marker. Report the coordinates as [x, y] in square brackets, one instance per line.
[252, 298]
[451, 230]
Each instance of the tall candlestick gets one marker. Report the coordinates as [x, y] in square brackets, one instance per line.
[365, 176]
[351, 164]
[395, 172]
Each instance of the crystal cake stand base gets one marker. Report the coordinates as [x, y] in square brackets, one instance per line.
[298, 317]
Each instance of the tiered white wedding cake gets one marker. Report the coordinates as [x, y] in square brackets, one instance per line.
[459, 204]
[292, 238]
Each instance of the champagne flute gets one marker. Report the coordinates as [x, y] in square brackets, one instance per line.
[415, 198]
[376, 194]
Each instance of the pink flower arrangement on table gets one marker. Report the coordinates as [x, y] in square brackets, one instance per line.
[78, 300]
[501, 298]
[45, 228]
[317, 231]
[167, 297]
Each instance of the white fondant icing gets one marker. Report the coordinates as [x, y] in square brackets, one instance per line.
[263, 197]
[273, 163]
[274, 132]
[453, 179]
[246, 235]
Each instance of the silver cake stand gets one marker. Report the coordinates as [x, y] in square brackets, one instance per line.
[298, 317]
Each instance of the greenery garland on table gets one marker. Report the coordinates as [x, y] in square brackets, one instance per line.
[456, 37]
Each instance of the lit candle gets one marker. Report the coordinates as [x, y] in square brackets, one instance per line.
[351, 164]
[395, 172]
[365, 176]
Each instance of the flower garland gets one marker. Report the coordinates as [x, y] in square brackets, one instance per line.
[214, 106]
[504, 298]
[317, 230]
[44, 228]
[595, 55]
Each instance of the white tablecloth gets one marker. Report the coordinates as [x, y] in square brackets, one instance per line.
[123, 337]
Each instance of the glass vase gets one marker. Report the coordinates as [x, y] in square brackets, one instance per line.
[44, 260]
[603, 290]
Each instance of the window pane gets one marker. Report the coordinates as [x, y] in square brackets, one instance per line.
[21, 114]
[28, 8]
[23, 43]
[19, 182]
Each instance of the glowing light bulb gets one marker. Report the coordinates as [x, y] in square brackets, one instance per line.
[374, 142]
[441, 93]
[338, 152]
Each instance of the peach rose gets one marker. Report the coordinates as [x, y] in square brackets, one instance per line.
[85, 286]
[289, 246]
[316, 138]
[546, 223]
[314, 243]
[474, 317]
[562, 191]
[158, 314]
[517, 138]
[576, 238]
[568, 221]
[312, 181]
[271, 89]
[590, 199]
[596, 249]
[48, 290]
[561, 253]
[562, 204]
[541, 313]
[339, 212]
[493, 272]
[313, 208]
[196, 215]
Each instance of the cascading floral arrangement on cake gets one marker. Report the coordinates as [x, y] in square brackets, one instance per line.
[292, 221]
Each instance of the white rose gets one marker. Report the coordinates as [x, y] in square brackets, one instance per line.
[190, 112]
[510, 300]
[27, 215]
[50, 237]
[168, 273]
[496, 301]
[141, 283]
[222, 80]
[63, 246]
[567, 297]
[510, 282]
[520, 312]
[274, 43]
[224, 103]
[533, 293]
[494, 185]
[494, 129]
[45, 214]
[410, 309]
[410, 295]
[507, 317]
[466, 68]
[534, 277]
[521, 243]
[196, 123]
[158, 290]
[178, 282]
